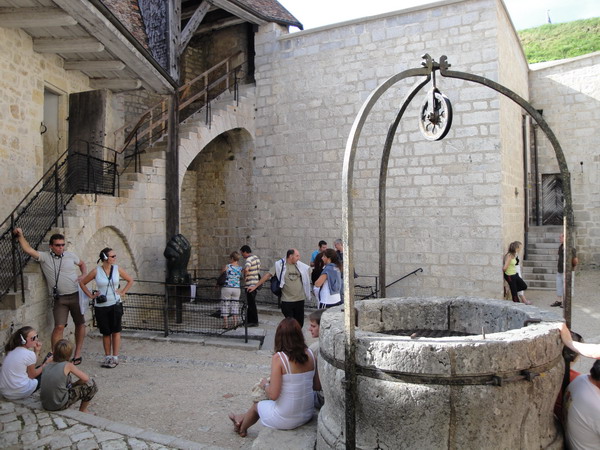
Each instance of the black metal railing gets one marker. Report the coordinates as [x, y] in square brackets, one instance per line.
[80, 169]
[198, 308]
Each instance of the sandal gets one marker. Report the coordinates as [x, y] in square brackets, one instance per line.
[77, 361]
[556, 303]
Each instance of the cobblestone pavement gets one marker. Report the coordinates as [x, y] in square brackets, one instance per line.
[25, 425]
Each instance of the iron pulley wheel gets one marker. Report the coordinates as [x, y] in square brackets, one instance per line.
[435, 116]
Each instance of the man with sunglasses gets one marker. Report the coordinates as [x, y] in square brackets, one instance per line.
[59, 268]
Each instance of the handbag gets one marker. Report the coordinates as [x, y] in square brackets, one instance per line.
[222, 279]
[276, 281]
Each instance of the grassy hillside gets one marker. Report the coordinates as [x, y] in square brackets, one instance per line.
[562, 40]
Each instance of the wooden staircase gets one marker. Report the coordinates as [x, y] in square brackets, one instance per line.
[539, 269]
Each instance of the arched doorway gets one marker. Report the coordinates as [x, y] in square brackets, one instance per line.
[217, 199]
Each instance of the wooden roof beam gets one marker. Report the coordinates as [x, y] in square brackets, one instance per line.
[67, 45]
[115, 84]
[218, 25]
[94, 66]
[34, 18]
[192, 25]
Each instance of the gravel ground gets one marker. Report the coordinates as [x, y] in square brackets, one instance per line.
[186, 389]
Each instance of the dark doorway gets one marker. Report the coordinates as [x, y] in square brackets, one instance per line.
[552, 199]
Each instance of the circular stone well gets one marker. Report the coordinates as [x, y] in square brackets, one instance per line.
[492, 391]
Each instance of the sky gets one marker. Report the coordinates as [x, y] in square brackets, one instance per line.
[524, 13]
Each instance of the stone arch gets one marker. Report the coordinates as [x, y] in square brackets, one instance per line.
[225, 119]
[110, 236]
[217, 199]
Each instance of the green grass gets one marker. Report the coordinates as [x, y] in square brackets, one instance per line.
[562, 40]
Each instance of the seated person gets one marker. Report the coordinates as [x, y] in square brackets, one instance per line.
[19, 377]
[582, 411]
[290, 388]
[314, 328]
[58, 392]
[569, 356]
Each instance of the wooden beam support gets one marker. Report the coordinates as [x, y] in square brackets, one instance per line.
[192, 25]
[94, 66]
[34, 18]
[115, 84]
[67, 45]
[218, 25]
[239, 11]
[99, 26]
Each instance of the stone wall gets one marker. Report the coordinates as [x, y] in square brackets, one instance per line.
[512, 73]
[23, 77]
[445, 198]
[569, 94]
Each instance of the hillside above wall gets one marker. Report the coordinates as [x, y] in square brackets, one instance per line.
[561, 40]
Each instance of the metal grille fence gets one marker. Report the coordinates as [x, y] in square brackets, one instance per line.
[197, 308]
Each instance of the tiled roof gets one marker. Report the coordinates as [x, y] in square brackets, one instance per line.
[270, 10]
[128, 13]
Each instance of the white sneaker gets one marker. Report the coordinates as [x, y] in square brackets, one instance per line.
[106, 362]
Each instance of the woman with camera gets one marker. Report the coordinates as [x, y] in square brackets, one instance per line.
[108, 307]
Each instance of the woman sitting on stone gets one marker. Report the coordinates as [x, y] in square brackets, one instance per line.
[58, 392]
[19, 377]
[290, 388]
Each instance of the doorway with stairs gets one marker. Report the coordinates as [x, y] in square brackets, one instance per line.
[539, 269]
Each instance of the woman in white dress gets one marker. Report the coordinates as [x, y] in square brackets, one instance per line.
[291, 386]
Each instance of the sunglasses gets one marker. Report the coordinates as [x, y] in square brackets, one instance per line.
[112, 256]
[34, 338]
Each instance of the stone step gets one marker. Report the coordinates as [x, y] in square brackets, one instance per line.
[550, 278]
[534, 258]
[538, 270]
[542, 251]
[545, 285]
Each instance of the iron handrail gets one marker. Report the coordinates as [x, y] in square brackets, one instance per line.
[73, 172]
[414, 272]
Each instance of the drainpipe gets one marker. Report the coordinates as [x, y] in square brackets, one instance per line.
[525, 184]
[536, 176]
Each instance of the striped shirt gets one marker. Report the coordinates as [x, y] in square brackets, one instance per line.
[253, 270]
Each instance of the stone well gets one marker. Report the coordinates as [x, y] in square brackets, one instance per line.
[477, 391]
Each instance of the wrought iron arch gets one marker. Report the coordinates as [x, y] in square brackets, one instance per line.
[430, 67]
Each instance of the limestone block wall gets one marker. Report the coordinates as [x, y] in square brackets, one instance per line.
[132, 224]
[445, 210]
[512, 73]
[24, 75]
[569, 94]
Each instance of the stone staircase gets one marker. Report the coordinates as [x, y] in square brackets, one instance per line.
[539, 269]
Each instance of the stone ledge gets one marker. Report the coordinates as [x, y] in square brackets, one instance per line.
[301, 438]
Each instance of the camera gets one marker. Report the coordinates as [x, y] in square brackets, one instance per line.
[55, 295]
[101, 298]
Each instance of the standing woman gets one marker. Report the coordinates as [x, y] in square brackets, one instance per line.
[230, 292]
[329, 285]
[19, 377]
[108, 305]
[511, 275]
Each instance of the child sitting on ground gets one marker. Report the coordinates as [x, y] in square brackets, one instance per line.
[314, 328]
[57, 391]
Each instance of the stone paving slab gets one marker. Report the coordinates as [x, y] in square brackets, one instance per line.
[25, 425]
